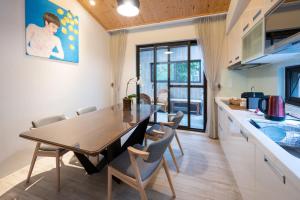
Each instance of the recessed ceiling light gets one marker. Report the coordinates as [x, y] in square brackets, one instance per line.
[92, 2]
[168, 52]
[128, 8]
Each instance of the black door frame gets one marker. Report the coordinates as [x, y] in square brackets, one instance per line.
[188, 43]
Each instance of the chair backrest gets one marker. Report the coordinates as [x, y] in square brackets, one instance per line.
[145, 99]
[48, 120]
[157, 149]
[86, 110]
[177, 119]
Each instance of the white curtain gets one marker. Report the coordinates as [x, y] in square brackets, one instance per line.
[210, 33]
[118, 43]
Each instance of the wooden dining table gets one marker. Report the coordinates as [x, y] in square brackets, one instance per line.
[96, 133]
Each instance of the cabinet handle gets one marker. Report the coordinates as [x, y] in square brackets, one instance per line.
[256, 15]
[246, 27]
[244, 135]
[236, 58]
[274, 169]
[230, 119]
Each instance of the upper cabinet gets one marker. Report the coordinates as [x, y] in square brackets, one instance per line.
[235, 44]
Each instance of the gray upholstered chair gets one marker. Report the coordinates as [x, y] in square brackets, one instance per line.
[137, 166]
[44, 150]
[86, 110]
[173, 122]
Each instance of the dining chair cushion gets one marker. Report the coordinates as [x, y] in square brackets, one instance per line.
[123, 164]
[150, 130]
[48, 120]
[157, 148]
[177, 119]
[86, 110]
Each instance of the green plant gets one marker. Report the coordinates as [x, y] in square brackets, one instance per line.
[130, 97]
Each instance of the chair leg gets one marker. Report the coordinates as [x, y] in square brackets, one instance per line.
[109, 184]
[58, 170]
[165, 165]
[179, 144]
[174, 158]
[143, 193]
[34, 157]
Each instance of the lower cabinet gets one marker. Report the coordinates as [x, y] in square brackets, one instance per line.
[272, 182]
[257, 175]
[241, 157]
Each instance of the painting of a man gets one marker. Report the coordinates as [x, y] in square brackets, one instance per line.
[41, 41]
[52, 31]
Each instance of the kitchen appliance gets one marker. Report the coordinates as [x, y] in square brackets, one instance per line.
[282, 28]
[273, 107]
[252, 99]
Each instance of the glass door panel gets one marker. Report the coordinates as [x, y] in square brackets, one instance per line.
[146, 58]
[162, 89]
[172, 75]
[179, 82]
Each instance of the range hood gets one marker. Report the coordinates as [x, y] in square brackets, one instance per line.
[282, 29]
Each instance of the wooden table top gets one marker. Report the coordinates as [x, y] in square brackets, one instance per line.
[92, 132]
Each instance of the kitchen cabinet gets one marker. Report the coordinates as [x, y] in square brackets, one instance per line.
[270, 4]
[235, 44]
[253, 43]
[222, 126]
[271, 181]
[240, 151]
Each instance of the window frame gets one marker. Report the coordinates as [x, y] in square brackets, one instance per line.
[173, 62]
[288, 98]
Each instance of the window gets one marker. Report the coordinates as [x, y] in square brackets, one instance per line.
[292, 84]
[179, 74]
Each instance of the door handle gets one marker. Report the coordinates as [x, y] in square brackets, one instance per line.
[246, 27]
[256, 15]
[274, 169]
[244, 135]
[230, 119]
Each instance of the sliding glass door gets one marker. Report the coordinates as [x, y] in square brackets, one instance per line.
[172, 76]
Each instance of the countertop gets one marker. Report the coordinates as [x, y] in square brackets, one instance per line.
[285, 161]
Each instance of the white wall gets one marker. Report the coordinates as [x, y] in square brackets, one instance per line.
[31, 87]
[171, 33]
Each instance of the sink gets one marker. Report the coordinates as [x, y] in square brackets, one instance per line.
[286, 134]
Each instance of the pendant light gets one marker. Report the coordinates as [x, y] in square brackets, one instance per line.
[128, 8]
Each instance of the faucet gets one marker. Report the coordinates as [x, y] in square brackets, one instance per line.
[252, 90]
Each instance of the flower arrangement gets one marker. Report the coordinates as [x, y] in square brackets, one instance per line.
[127, 100]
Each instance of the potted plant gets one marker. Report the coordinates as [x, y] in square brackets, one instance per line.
[128, 100]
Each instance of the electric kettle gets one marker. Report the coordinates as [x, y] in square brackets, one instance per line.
[273, 107]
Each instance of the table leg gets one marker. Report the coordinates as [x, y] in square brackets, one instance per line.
[114, 150]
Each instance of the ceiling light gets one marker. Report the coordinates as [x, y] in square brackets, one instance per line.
[168, 52]
[128, 8]
[92, 2]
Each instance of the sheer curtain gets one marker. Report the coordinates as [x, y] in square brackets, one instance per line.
[118, 43]
[210, 33]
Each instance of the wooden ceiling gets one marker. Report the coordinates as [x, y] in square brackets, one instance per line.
[153, 11]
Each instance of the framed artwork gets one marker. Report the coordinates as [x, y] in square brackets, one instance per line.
[51, 31]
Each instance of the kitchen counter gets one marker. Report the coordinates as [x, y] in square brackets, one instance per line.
[287, 163]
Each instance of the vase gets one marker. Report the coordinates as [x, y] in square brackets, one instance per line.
[127, 104]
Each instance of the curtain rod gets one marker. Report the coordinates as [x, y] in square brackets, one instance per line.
[167, 22]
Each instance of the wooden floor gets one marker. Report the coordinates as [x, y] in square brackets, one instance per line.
[205, 174]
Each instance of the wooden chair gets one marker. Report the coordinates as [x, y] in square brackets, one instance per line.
[162, 99]
[86, 110]
[173, 123]
[138, 165]
[145, 99]
[44, 150]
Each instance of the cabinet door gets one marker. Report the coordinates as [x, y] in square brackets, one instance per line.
[271, 181]
[230, 47]
[270, 4]
[254, 43]
[241, 156]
